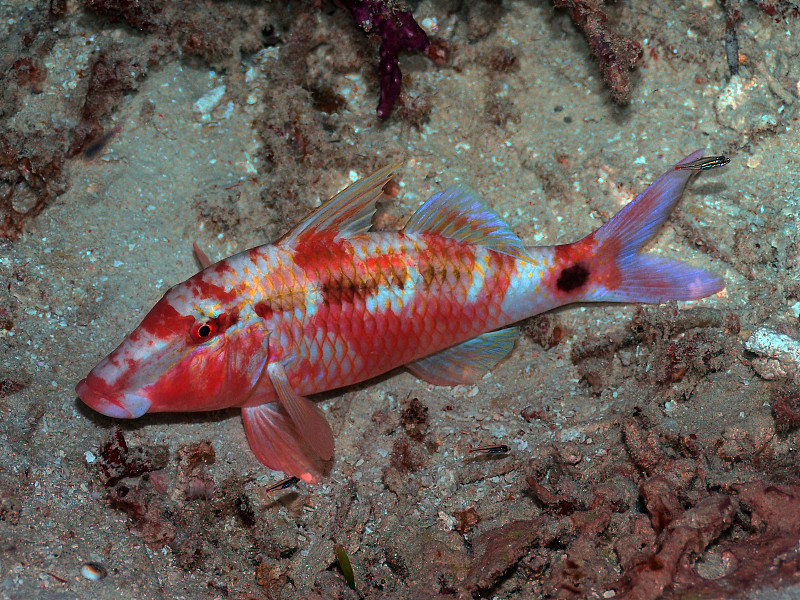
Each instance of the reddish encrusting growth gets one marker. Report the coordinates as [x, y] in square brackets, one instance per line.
[616, 53]
[398, 31]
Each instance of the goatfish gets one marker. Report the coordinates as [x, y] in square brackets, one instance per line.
[331, 304]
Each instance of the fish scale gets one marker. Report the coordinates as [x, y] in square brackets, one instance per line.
[424, 313]
[332, 304]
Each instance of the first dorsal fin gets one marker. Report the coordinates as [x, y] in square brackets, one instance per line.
[348, 212]
[459, 214]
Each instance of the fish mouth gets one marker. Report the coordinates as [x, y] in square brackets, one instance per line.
[97, 394]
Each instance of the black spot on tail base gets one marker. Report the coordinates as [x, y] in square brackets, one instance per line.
[573, 277]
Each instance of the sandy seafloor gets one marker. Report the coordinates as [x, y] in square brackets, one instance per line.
[546, 146]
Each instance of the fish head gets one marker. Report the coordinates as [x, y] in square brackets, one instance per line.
[197, 349]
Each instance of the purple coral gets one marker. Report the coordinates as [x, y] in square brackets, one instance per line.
[398, 31]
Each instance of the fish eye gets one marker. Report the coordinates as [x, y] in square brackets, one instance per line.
[203, 331]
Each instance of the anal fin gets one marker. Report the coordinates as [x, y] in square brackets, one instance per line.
[467, 362]
[276, 442]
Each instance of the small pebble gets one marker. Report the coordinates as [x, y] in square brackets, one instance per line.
[779, 354]
[206, 104]
[93, 571]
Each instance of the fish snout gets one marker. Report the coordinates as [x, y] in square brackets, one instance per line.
[97, 394]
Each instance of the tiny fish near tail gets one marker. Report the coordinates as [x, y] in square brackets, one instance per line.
[333, 303]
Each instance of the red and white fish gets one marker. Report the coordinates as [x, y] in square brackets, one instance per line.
[332, 303]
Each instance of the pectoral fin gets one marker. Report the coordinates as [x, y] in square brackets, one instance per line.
[286, 432]
[305, 415]
[277, 443]
[467, 362]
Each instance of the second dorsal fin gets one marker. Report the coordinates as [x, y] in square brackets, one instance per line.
[459, 214]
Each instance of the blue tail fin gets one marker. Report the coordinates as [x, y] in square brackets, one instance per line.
[626, 275]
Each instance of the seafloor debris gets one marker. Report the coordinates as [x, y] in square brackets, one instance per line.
[659, 522]
[545, 330]
[733, 15]
[398, 31]
[181, 505]
[118, 460]
[32, 157]
[10, 384]
[30, 176]
[779, 9]
[147, 517]
[683, 344]
[414, 419]
[466, 519]
[345, 566]
[692, 538]
[192, 482]
[786, 409]
[779, 354]
[687, 517]
[205, 105]
[616, 53]
[749, 105]
[404, 457]
[503, 548]
[111, 76]
[643, 328]
[143, 15]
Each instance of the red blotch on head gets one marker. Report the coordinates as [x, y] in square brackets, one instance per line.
[204, 289]
[188, 386]
[163, 320]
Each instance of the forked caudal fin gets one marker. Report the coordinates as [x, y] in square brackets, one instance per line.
[607, 264]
